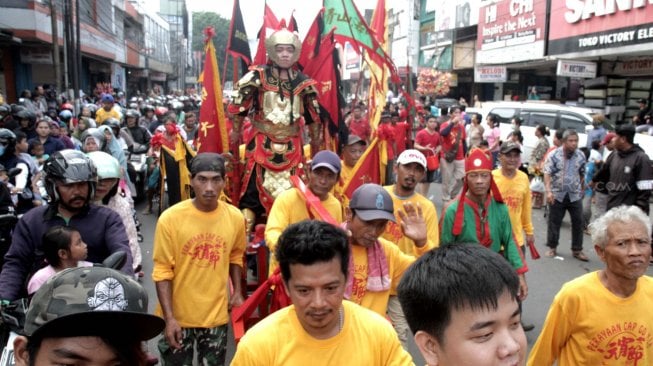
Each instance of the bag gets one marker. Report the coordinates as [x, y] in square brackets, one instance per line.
[450, 156]
[432, 162]
[537, 185]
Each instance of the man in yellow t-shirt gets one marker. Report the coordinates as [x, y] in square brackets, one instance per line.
[351, 153]
[409, 170]
[319, 328]
[378, 264]
[107, 111]
[604, 317]
[198, 246]
[516, 193]
[290, 207]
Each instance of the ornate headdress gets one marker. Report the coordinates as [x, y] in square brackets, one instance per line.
[283, 36]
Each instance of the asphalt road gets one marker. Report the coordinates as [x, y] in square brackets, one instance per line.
[545, 276]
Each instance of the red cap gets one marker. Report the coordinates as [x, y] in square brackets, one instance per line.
[608, 138]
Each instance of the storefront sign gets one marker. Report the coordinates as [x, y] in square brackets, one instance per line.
[583, 26]
[36, 56]
[576, 69]
[490, 74]
[157, 76]
[511, 31]
[628, 67]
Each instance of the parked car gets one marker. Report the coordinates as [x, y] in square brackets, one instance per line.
[554, 116]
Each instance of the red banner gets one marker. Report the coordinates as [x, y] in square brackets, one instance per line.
[212, 133]
[366, 170]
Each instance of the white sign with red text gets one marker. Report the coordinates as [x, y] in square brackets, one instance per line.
[490, 74]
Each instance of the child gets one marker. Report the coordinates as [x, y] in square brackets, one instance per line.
[37, 151]
[63, 248]
[461, 302]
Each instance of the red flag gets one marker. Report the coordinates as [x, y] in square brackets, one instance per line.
[311, 43]
[366, 170]
[269, 21]
[324, 69]
[292, 23]
[212, 133]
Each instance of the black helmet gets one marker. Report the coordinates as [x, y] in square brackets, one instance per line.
[69, 166]
[8, 139]
[112, 122]
[15, 108]
[28, 115]
[5, 108]
[132, 113]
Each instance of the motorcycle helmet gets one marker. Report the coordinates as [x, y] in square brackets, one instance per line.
[5, 109]
[107, 166]
[69, 166]
[8, 140]
[67, 106]
[132, 113]
[65, 115]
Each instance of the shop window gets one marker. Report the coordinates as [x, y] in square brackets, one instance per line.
[571, 121]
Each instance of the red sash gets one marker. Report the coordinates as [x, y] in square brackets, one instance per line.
[312, 201]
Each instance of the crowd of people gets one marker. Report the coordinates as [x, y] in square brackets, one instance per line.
[361, 271]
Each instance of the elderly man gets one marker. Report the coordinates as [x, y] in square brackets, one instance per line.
[564, 178]
[604, 317]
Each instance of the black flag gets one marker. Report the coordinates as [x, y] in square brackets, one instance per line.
[238, 45]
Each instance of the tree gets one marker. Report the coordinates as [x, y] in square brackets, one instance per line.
[204, 19]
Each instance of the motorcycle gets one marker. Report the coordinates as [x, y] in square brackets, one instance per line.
[137, 169]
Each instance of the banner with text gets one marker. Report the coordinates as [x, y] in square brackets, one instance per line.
[578, 26]
[511, 31]
[576, 69]
[490, 74]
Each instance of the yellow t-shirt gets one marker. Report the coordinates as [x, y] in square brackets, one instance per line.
[290, 208]
[101, 115]
[398, 262]
[516, 193]
[279, 339]
[589, 325]
[194, 249]
[393, 231]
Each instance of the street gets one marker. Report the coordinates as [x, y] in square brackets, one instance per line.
[545, 276]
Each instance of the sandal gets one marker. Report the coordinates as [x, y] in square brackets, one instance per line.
[550, 253]
[581, 256]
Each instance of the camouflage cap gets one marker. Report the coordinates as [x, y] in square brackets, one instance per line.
[91, 301]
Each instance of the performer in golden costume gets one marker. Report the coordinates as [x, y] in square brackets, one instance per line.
[279, 101]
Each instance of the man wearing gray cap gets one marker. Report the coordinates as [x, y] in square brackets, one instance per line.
[87, 315]
[198, 246]
[351, 153]
[376, 265]
[293, 206]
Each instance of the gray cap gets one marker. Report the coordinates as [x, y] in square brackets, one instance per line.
[509, 146]
[372, 202]
[354, 139]
[91, 301]
[326, 159]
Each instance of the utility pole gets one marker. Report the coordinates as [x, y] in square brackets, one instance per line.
[55, 45]
[76, 48]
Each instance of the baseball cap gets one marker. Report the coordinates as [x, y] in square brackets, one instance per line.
[207, 162]
[88, 301]
[354, 139]
[411, 156]
[107, 98]
[326, 159]
[372, 202]
[608, 137]
[509, 146]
